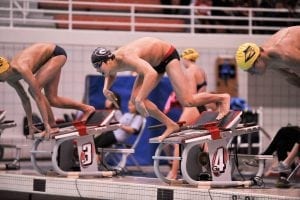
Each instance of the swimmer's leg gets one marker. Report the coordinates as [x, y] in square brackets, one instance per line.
[171, 126]
[49, 77]
[188, 98]
[152, 109]
[203, 98]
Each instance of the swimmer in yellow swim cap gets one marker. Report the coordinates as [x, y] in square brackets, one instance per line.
[40, 66]
[4, 66]
[246, 56]
[281, 52]
[190, 54]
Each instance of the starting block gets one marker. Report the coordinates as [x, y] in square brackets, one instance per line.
[4, 124]
[83, 135]
[217, 135]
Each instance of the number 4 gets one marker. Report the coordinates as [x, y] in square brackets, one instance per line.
[219, 160]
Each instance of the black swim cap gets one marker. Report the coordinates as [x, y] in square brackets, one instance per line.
[100, 55]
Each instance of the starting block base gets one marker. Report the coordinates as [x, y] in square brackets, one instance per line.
[87, 158]
[219, 165]
[83, 137]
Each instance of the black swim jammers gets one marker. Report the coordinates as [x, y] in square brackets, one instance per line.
[171, 54]
[59, 51]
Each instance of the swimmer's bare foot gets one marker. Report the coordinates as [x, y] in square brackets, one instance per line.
[224, 106]
[86, 113]
[45, 135]
[170, 129]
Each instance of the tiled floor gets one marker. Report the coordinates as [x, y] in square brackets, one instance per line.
[133, 185]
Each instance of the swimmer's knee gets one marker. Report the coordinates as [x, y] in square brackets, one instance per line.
[53, 101]
[188, 102]
[226, 95]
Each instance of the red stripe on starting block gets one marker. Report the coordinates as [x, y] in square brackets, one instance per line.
[214, 130]
[81, 127]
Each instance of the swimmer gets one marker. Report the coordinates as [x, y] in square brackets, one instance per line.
[150, 58]
[281, 52]
[197, 80]
[39, 65]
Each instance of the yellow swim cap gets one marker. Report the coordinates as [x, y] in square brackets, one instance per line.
[190, 54]
[3, 65]
[246, 55]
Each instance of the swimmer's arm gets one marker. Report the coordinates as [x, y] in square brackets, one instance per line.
[289, 57]
[37, 95]
[150, 76]
[108, 82]
[292, 56]
[24, 99]
[291, 76]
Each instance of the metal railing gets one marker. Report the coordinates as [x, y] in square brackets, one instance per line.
[93, 15]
